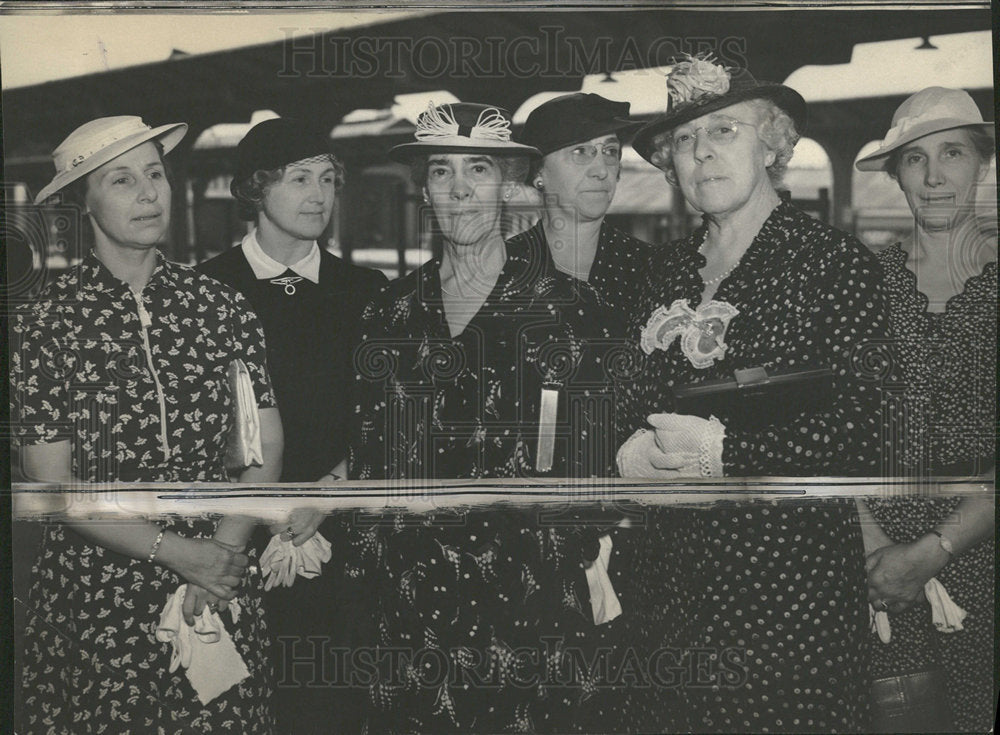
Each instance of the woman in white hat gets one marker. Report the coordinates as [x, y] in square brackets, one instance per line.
[476, 366]
[120, 376]
[941, 285]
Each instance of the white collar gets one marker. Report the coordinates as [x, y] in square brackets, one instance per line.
[264, 266]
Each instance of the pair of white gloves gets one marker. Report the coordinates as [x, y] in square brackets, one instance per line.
[282, 560]
[205, 650]
[679, 445]
[946, 616]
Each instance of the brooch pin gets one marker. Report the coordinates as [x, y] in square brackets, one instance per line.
[701, 330]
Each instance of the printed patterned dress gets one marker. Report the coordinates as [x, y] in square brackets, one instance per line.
[477, 613]
[756, 614]
[137, 385]
[948, 362]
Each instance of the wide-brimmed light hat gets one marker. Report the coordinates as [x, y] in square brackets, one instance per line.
[462, 127]
[931, 110]
[95, 143]
[698, 86]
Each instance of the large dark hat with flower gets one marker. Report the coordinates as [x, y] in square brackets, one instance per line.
[698, 86]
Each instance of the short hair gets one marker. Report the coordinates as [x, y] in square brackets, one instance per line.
[513, 168]
[982, 142]
[776, 130]
[250, 191]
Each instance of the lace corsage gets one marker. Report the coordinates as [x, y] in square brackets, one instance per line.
[702, 330]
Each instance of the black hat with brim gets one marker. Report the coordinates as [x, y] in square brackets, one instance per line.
[742, 87]
[462, 127]
[576, 118]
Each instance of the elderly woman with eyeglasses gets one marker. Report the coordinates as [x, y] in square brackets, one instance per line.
[476, 366]
[941, 285]
[775, 592]
[121, 376]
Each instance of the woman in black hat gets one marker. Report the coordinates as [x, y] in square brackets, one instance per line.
[776, 593]
[581, 137]
[478, 365]
[309, 302]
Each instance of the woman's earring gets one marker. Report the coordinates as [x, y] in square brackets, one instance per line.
[539, 184]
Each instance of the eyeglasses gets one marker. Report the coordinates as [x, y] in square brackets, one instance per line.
[585, 154]
[723, 132]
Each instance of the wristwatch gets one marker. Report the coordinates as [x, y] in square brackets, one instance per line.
[945, 543]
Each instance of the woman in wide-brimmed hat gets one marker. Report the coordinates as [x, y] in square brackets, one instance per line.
[941, 285]
[120, 375]
[775, 592]
[476, 366]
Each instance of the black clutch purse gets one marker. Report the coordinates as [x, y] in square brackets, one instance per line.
[755, 398]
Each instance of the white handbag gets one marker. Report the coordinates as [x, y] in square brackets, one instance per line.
[243, 448]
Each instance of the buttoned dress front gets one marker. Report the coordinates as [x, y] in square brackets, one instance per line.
[136, 382]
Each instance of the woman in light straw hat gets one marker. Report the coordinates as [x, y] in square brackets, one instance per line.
[941, 285]
[120, 376]
[476, 366]
[775, 592]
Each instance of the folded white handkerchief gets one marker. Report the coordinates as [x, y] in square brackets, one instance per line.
[880, 624]
[282, 560]
[603, 600]
[945, 614]
[206, 651]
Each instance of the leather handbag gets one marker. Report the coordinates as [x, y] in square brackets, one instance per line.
[243, 448]
[915, 702]
[756, 397]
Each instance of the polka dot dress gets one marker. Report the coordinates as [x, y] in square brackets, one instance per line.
[766, 603]
[619, 265]
[948, 361]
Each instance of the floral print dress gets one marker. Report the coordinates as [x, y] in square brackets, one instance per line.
[137, 384]
[948, 363]
[763, 605]
[479, 607]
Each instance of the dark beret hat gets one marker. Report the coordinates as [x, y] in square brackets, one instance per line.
[575, 118]
[276, 143]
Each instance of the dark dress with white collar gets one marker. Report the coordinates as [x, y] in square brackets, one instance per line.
[311, 331]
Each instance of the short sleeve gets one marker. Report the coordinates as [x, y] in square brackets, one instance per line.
[39, 367]
[248, 345]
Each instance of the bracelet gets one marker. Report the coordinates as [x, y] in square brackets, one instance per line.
[156, 546]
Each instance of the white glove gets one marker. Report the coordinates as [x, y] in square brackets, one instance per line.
[641, 457]
[689, 444]
[282, 560]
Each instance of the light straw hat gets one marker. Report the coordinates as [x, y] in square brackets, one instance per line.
[95, 143]
[930, 110]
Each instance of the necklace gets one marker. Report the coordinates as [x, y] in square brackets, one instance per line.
[722, 276]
